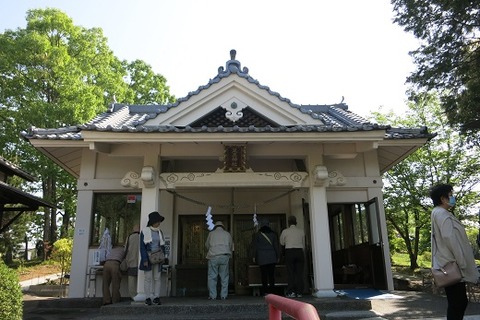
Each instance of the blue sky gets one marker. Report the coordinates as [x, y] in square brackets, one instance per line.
[312, 52]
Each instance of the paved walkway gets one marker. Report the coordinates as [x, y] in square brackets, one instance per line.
[39, 280]
[405, 305]
[412, 305]
[419, 305]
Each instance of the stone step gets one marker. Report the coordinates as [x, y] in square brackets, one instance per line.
[352, 315]
[248, 308]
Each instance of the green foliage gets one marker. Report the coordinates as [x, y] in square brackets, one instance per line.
[62, 253]
[446, 158]
[145, 87]
[448, 59]
[11, 297]
[54, 74]
[472, 234]
[397, 244]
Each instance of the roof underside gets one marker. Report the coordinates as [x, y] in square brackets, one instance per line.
[11, 169]
[23, 201]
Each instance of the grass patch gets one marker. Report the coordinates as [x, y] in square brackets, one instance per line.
[401, 264]
[35, 268]
[403, 260]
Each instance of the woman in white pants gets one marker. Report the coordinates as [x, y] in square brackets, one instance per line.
[151, 240]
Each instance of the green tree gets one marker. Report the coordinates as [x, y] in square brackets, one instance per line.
[448, 58]
[62, 253]
[144, 86]
[55, 74]
[446, 158]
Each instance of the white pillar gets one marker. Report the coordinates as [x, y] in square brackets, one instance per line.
[150, 202]
[83, 218]
[81, 239]
[321, 250]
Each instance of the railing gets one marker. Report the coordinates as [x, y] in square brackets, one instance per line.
[295, 309]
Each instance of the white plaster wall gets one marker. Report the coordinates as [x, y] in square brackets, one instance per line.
[258, 196]
[348, 167]
[109, 167]
[206, 197]
[244, 200]
[342, 196]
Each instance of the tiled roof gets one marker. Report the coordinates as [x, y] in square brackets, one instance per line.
[133, 118]
[13, 196]
[12, 169]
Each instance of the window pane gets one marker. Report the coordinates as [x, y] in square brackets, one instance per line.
[360, 227]
[118, 212]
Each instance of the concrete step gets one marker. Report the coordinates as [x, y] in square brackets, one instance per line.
[248, 308]
[352, 315]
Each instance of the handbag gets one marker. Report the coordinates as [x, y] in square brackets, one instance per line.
[156, 257]
[447, 276]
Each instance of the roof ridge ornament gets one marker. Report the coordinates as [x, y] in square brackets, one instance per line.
[232, 113]
[232, 65]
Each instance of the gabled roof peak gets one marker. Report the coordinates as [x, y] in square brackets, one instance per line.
[232, 65]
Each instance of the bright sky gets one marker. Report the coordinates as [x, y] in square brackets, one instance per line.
[310, 51]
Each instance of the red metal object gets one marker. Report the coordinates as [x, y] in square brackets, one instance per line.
[295, 309]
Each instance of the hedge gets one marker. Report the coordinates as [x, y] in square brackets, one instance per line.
[11, 297]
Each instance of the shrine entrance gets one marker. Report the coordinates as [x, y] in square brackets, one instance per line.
[191, 269]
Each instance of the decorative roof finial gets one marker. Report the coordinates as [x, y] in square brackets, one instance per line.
[232, 66]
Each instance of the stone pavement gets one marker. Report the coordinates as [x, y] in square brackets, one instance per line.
[412, 305]
[39, 280]
[419, 305]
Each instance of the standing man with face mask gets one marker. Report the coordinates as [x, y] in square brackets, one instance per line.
[450, 243]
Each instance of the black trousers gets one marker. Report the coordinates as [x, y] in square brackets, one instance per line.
[267, 271]
[295, 262]
[457, 301]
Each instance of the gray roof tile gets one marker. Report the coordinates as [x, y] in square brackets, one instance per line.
[132, 118]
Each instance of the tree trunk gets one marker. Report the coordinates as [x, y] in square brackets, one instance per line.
[65, 225]
[50, 226]
[413, 261]
[25, 254]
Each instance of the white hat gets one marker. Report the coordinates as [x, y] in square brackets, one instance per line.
[219, 224]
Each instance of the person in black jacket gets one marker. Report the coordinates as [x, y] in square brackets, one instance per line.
[266, 253]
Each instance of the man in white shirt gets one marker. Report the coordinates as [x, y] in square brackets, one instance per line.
[293, 239]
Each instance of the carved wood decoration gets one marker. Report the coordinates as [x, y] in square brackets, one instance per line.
[144, 180]
[235, 158]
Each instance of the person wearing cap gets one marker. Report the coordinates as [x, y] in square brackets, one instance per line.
[219, 246]
[266, 253]
[293, 239]
[151, 240]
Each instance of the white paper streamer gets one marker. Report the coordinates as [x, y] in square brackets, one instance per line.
[210, 224]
